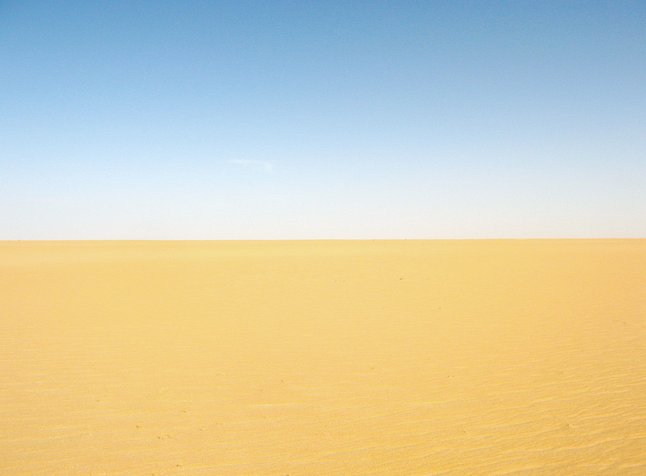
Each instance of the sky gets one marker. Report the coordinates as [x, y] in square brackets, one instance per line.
[322, 119]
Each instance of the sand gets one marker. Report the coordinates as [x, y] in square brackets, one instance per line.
[304, 358]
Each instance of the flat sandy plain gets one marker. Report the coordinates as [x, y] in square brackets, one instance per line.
[339, 357]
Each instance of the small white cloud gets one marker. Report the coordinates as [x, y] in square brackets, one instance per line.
[263, 165]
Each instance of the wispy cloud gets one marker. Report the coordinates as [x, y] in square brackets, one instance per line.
[263, 165]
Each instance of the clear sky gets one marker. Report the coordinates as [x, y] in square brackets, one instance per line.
[322, 119]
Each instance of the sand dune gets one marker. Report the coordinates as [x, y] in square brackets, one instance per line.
[300, 358]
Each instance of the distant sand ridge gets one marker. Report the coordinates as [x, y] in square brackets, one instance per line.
[301, 358]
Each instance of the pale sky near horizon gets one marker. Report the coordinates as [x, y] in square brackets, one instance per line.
[328, 119]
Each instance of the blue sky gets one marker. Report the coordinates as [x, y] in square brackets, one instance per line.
[375, 119]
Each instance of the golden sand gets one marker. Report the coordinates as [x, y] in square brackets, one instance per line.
[307, 358]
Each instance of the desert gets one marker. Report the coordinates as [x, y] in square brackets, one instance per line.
[323, 357]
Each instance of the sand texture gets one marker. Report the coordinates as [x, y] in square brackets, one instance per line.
[307, 358]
